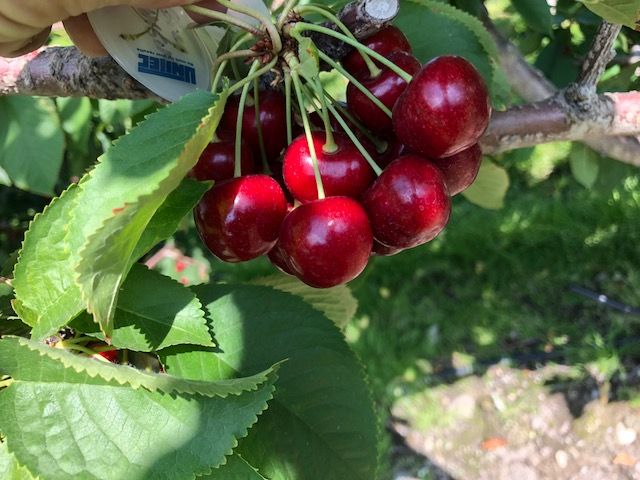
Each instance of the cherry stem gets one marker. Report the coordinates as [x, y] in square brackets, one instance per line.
[329, 142]
[267, 23]
[352, 136]
[250, 76]
[82, 339]
[224, 18]
[237, 172]
[287, 99]
[263, 150]
[376, 101]
[381, 145]
[282, 19]
[374, 70]
[221, 62]
[302, 26]
[72, 346]
[293, 63]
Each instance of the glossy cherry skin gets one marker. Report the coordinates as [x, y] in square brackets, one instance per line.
[444, 110]
[408, 204]
[387, 87]
[278, 257]
[344, 172]
[272, 121]
[327, 242]
[381, 250]
[388, 40]
[217, 161]
[240, 219]
[460, 170]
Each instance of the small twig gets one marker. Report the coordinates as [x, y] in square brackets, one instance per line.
[599, 56]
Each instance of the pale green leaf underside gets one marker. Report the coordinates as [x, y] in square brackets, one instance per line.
[9, 467]
[63, 425]
[585, 165]
[337, 303]
[153, 312]
[321, 423]
[490, 188]
[626, 12]
[34, 362]
[129, 184]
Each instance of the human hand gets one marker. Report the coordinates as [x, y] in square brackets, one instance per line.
[26, 24]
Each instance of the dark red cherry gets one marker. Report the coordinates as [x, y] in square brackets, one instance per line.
[393, 150]
[444, 110]
[344, 172]
[408, 204]
[327, 242]
[387, 87]
[279, 258]
[388, 40]
[272, 121]
[381, 250]
[240, 219]
[217, 161]
[460, 170]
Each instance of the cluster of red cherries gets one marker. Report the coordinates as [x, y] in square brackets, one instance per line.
[427, 151]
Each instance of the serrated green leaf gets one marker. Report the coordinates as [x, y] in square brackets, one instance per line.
[436, 28]
[46, 294]
[31, 361]
[321, 422]
[62, 424]
[153, 312]
[536, 14]
[31, 143]
[236, 468]
[166, 220]
[337, 303]
[625, 12]
[585, 165]
[120, 196]
[490, 188]
[9, 467]
[75, 115]
[309, 59]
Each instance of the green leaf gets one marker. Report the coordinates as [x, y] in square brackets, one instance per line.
[236, 468]
[435, 28]
[536, 14]
[585, 165]
[153, 312]
[46, 294]
[309, 59]
[76, 114]
[9, 467]
[321, 422]
[626, 12]
[337, 303]
[167, 219]
[61, 424]
[37, 362]
[490, 188]
[120, 196]
[31, 143]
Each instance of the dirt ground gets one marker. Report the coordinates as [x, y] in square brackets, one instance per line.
[513, 425]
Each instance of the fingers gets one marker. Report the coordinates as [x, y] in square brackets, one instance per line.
[82, 34]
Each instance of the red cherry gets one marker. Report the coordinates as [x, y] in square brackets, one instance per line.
[381, 250]
[394, 150]
[444, 110]
[327, 242]
[217, 161]
[387, 87]
[460, 170]
[344, 172]
[240, 219]
[111, 356]
[408, 204]
[278, 257]
[388, 40]
[272, 122]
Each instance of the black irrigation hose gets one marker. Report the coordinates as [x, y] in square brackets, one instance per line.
[604, 300]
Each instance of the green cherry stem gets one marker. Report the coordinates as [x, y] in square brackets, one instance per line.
[293, 63]
[282, 19]
[352, 136]
[302, 26]
[219, 65]
[329, 142]
[249, 78]
[263, 150]
[287, 100]
[221, 62]
[374, 70]
[237, 172]
[79, 348]
[224, 18]
[267, 23]
[376, 101]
